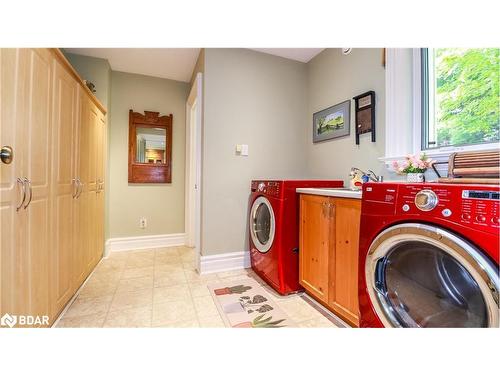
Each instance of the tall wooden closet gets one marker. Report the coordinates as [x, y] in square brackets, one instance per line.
[52, 193]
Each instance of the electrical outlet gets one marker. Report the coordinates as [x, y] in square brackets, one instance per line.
[143, 223]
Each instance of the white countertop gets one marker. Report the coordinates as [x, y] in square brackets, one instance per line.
[331, 192]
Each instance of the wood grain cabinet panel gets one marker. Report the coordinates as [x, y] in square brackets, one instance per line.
[41, 256]
[345, 270]
[14, 287]
[328, 252]
[315, 224]
[64, 138]
[26, 214]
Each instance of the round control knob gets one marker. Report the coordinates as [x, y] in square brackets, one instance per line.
[261, 186]
[465, 216]
[480, 218]
[494, 220]
[446, 212]
[406, 208]
[426, 200]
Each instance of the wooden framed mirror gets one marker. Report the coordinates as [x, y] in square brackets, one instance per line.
[149, 147]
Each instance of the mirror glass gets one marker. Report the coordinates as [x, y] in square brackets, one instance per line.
[151, 145]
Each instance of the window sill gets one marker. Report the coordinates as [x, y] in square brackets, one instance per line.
[442, 154]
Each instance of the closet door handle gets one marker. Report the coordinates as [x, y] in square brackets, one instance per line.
[21, 181]
[77, 188]
[80, 183]
[28, 182]
[73, 186]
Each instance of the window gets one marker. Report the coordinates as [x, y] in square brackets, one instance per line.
[460, 97]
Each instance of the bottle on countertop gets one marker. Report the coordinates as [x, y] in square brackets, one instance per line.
[356, 182]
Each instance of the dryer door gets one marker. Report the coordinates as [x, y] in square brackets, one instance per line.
[262, 224]
[422, 276]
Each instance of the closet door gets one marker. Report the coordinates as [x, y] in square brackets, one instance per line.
[63, 182]
[37, 169]
[87, 195]
[80, 222]
[94, 217]
[25, 112]
[14, 287]
[100, 172]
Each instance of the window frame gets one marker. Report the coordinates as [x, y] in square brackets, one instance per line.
[403, 112]
[427, 112]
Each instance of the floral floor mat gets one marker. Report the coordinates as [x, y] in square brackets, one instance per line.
[245, 304]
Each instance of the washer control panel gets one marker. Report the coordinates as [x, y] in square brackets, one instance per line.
[478, 207]
[270, 188]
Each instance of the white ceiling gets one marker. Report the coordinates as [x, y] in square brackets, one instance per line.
[171, 63]
[298, 54]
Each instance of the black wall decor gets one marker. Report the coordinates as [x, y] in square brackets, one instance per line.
[364, 108]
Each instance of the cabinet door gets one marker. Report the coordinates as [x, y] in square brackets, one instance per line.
[63, 167]
[344, 298]
[314, 249]
[80, 232]
[25, 230]
[100, 173]
[37, 169]
[88, 178]
[94, 126]
[14, 281]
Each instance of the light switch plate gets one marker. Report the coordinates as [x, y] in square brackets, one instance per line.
[244, 150]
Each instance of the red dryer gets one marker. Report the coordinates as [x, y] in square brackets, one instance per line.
[274, 230]
[429, 255]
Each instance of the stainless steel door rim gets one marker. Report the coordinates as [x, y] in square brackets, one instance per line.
[262, 246]
[480, 268]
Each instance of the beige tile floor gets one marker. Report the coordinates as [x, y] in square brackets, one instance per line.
[161, 288]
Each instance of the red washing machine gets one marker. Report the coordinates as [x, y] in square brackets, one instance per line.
[274, 230]
[429, 255]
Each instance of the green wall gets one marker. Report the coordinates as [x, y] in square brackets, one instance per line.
[161, 204]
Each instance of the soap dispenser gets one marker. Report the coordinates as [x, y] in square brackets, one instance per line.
[355, 182]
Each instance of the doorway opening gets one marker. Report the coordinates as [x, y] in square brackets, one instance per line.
[193, 168]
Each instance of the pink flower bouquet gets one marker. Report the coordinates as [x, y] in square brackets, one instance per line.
[413, 164]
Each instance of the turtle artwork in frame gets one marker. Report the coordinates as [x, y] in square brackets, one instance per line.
[364, 109]
[332, 122]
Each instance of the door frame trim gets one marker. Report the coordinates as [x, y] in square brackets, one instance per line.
[194, 147]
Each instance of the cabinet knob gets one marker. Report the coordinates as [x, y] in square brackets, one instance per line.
[6, 154]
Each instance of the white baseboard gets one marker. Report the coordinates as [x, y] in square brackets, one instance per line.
[224, 262]
[145, 242]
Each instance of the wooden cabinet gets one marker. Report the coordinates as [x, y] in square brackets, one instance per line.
[315, 232]
[64, 168]
[25, 184]
[344, 283]
[40, 213]
[101, 136]
[328, 261]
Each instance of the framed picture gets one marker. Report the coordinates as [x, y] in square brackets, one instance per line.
[332, 122]
[364, 108]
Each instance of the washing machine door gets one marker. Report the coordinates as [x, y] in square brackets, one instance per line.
[262, 224]
[419, 275]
